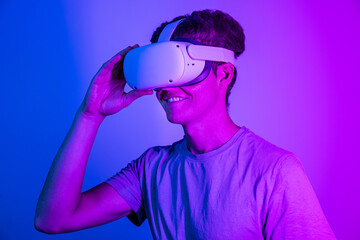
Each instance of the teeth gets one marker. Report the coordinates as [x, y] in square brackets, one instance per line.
[174, 99]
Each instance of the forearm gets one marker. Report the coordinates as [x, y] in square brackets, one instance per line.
[61, 201]
[62, 189]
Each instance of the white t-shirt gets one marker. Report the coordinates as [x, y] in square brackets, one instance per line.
[246, 189]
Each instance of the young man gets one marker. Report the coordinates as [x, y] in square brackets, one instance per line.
[221, 181]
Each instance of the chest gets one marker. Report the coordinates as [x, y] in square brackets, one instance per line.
[204, 201]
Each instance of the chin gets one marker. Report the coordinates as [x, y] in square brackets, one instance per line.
[176, 118]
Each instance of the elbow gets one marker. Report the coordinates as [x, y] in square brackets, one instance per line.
[45, 226]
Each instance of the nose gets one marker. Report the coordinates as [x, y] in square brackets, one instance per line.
[163, 89]
[161, 92]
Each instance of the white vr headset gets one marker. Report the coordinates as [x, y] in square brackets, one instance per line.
[171, 63]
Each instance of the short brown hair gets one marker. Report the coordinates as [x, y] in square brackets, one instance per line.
[212, 28]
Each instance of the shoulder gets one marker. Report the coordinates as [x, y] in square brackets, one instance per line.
[262, 147]
[264, 155]
[158, 153]
[150, 159]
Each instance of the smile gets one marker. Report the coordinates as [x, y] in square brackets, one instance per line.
[175, 99]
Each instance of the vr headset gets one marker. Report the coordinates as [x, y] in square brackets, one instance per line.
[171, 63]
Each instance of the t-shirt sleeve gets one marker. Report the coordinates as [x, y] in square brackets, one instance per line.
[293, 209]
[127, 183]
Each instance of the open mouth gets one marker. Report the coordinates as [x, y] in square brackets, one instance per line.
[174, 99]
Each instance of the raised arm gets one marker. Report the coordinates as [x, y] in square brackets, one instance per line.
[61, 206]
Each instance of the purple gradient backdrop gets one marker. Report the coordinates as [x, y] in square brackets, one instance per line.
[297, 87]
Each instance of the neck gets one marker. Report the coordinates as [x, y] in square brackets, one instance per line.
[209, 133]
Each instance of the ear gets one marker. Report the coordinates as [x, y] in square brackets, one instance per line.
[225, 73]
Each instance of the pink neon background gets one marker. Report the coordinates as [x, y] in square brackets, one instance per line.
[298, 84]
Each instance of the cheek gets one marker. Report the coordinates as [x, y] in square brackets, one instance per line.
[205, 96]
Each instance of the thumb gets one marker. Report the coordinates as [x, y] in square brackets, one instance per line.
[135, 94]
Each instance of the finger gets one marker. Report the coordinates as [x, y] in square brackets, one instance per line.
[110, 65]
[135, 94]
[126, 50]
[117, 57]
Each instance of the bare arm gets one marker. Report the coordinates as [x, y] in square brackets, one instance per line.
[61, 206]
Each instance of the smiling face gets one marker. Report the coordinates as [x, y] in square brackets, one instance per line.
[197, 102]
